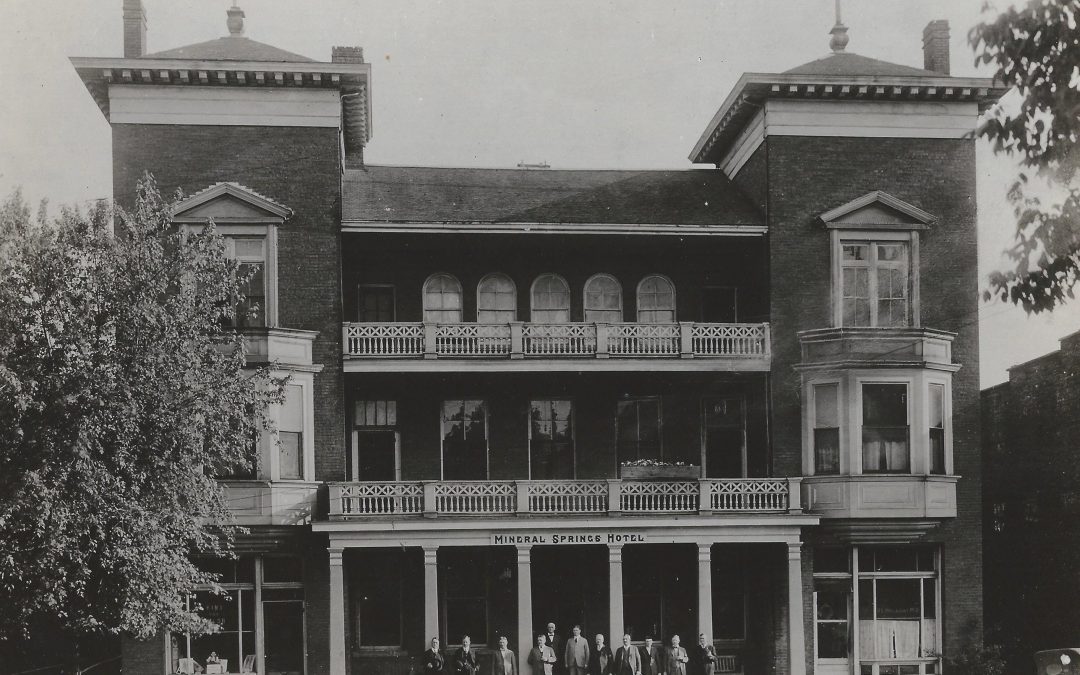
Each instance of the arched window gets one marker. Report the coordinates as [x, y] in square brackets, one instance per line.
[550, 299]
[656, 300]
[603, 299]
[496, 299]
[442, 299]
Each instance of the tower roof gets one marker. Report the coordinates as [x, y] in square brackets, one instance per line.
[846, 63]
[231, 48]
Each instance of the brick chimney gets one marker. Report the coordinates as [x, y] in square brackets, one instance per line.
[935, 46]
[134, 29]
[347, 55]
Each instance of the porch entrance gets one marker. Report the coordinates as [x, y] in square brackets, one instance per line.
[570, 586]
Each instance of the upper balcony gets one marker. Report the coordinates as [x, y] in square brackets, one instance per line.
[545, 346]
[599, 497]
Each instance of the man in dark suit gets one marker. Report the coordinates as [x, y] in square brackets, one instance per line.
[503, 661]
[652, 658]
[555, 641]
[465, 662]
[600, 657]
[576, 658]
[627, 659]
[702, 657]
[434, 661]
[675, 658]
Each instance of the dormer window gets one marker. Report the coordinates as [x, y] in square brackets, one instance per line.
[875, 256]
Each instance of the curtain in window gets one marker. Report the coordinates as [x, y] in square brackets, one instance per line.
[442, 299]
[496, 299]
[550, 299]
[603, 299]
[885, 429]
[656, 300]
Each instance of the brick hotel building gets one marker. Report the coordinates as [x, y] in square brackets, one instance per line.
[476, 355]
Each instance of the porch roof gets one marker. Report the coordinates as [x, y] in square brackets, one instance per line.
[487, 198]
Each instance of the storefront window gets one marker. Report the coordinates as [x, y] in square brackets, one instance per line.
[232, 607]
[895, 614]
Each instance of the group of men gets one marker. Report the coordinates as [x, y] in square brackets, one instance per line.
[575, 656]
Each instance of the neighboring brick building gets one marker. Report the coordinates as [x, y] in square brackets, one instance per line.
[480, 356]
[1031, 430]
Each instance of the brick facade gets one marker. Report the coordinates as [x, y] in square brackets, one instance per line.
[295, 166]
[1031, 424]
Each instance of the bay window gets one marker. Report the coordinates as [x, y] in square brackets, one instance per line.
[877, 423]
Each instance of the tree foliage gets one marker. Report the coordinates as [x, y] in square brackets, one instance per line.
[121, 396]
[1035, 49]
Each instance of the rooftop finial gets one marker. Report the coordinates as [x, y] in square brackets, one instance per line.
[839, 34]
[235, 22]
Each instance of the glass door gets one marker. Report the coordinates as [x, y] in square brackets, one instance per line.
[284, 625]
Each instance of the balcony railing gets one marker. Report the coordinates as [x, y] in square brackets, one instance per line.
[563, 497]
[556, 340]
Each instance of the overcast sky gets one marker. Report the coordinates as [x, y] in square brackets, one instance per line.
[577, 83]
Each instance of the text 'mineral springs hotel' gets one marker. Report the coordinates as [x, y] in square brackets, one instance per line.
[484, 362]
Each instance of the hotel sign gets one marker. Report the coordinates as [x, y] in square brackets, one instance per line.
[547, 538]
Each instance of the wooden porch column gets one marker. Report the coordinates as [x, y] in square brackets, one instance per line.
[615, 595]
[796, 636]
[705, 610]
[337, 613]
[431, 594]
[524, 601]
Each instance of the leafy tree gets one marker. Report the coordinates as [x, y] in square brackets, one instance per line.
[121, 395]
[1035, 49]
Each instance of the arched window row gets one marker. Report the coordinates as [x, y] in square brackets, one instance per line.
[496, 299]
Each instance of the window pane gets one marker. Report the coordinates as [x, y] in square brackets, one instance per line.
[826, 413]
[282, 569]
[551, 447]
[550, 300]
[656, 300]
[826, 451]
[464, 443]
[937, 428]
[292, 409]
[496, 300]
[603, 300]
[442, 299]
[832, 559]
[376, 303]
[290, 455]
[885, 404]
[638, 429]
[856, 252]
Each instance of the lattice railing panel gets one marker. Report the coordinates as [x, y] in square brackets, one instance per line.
[658, 496]
[472, 339]
[384, 339]
[475, 497]
[558, 496]
[749, 494]
[729, 339]
[381, 498]
[643, 339]
[559, 339]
